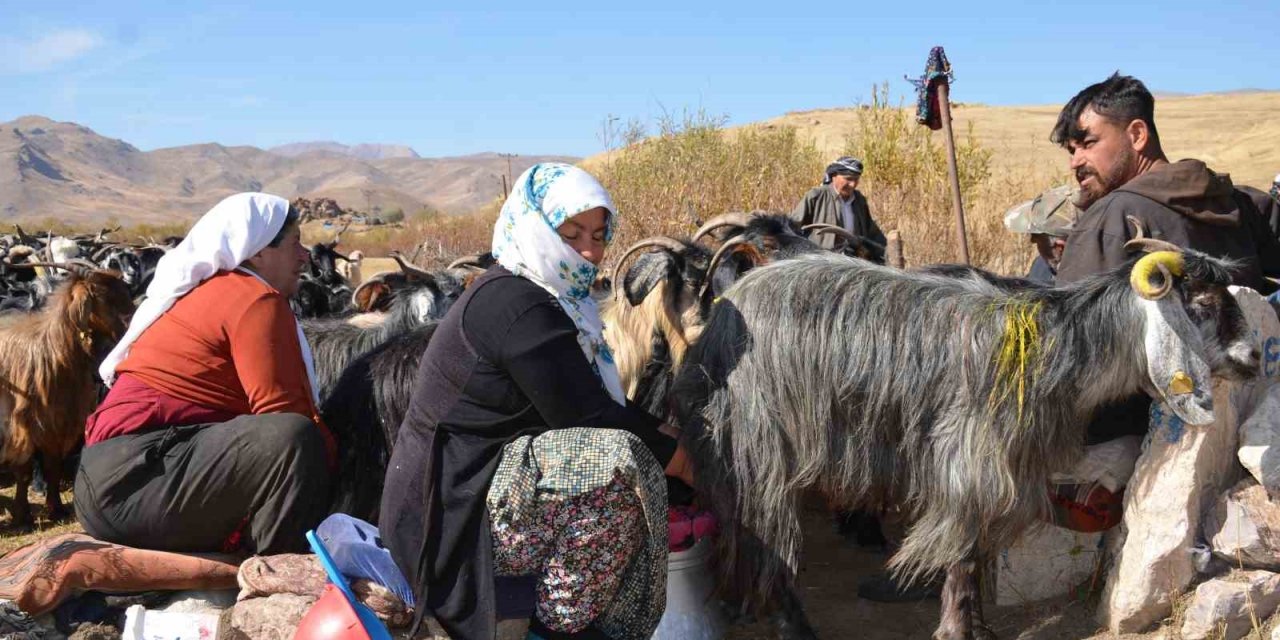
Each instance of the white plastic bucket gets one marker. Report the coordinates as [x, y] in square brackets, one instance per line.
[691, 612]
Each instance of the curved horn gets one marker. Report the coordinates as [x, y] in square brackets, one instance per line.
[412, 269]
[849, 236]
[474, 260]
[724, 250]
[675, 246]
[1141, 242]
[1138, 232]
[76, 266]
[1168, 263]
[736, 219]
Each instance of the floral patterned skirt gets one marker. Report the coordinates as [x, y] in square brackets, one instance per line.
[584, 510]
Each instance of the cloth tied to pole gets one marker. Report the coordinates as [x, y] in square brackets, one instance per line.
[937, 71]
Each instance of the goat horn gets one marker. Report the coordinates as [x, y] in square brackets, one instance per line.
[724, 250]
[851, 238]
[1141, 242]
[736, 219]
[473, 260]
[75, 266]
[671, 244]
[1138, 232]
[1168, 263]
[411, 269]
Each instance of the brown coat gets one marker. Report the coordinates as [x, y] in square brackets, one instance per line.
[1184, 203]
[1267, 204]
[822, 206]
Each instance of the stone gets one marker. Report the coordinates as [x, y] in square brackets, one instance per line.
[1179, 477]
[1046, 562]
[1244, 527]
[274, 617]
[1228, 608]
[1260, 431]
[1183, 471]
[1260, 441]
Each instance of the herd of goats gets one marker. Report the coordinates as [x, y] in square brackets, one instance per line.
[946, 390]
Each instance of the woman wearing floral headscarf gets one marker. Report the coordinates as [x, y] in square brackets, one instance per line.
[519, 454]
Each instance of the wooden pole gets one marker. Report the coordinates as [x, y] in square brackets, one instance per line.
[944, 108]
[893, 251]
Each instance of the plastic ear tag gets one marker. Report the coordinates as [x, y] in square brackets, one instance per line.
[1181, 384]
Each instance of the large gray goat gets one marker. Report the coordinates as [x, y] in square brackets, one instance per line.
[952, 397]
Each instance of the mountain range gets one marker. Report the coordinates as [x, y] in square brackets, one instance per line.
[67, 172]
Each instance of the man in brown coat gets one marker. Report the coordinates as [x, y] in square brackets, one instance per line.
[1109, 129]
[838, 202]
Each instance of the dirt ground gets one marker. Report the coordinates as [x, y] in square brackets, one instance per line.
[828, 586]
[829, 583]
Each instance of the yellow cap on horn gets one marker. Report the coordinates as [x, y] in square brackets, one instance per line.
[1140, 277]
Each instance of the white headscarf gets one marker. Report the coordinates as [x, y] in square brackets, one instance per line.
[526, 242]
[232, 231]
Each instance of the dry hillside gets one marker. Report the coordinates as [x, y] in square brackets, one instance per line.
[66, 172]
[1237, 133]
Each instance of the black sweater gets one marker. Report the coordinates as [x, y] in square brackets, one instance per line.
[504, 362]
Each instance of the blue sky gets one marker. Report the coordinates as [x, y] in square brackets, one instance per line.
[454, 78]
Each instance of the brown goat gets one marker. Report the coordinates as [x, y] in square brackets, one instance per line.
[47, 378]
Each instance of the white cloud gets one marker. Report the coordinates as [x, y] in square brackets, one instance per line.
[46, 51]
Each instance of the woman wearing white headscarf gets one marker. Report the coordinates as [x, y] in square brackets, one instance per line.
[209, 439]
[519, 454]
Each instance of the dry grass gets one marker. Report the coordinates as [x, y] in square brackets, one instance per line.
[12, 538]
[432, 239]
[692, 169]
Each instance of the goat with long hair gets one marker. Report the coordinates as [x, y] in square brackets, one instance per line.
[336, 342]
[952, 397]
[663, 299]
[47, 376]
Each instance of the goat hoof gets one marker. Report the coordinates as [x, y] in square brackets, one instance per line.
[58, 513]
[22, 522]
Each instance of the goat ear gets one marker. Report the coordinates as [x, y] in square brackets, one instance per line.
[645, 274]
[79, 302]
[368, 294]
[1175, 367]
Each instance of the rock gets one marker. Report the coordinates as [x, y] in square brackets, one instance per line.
[1180, 476]
[95, 631]
[1046, 562]
[271, 618]
[1260, 432]
[1184, 469]
[1228, 608]
[1244, 527]
[1260, 440]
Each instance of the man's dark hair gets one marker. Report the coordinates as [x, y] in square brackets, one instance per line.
[1120, 99]
[290, 221]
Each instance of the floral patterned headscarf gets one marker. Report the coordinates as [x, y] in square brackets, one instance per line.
[526, 242]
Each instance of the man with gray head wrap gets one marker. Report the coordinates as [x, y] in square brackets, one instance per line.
[838, 202]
